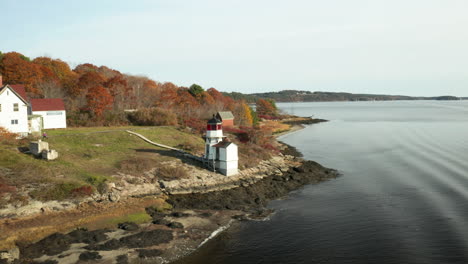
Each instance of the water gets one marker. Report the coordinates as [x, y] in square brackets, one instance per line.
[403, 197]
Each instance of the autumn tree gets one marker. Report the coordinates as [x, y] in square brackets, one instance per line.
[265, 108]
[18, 69]
[85, 67]
[243, 114]
[118, 88]
[98, 100]
[60, 69]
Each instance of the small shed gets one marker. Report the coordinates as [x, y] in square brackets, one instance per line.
[226, 157]
[226, 117]
[52, 111]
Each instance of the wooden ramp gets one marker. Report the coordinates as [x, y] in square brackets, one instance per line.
[186, 154]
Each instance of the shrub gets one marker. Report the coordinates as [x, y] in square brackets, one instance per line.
[169, 173]
[136, 165]
[85, 190]
[5, 188]
[57, 192]
[154, 116]
[7, 137]
[198, 125]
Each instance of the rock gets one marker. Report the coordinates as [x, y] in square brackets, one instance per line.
[9, 255]
[179, 214]
[298, 169]
[160, 221]
[147, 238]
[112, 244]
[175, 225]
[122, 259]
[89, 255]
[128, 226]
[206, 214]
[114, 197]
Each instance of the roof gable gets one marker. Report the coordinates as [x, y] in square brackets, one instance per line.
[222, 144]
[50, 104]
[226, 115]
[17, 90]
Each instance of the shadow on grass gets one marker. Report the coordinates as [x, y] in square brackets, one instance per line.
[174, 154]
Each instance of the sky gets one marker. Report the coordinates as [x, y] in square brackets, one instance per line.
[407, 47]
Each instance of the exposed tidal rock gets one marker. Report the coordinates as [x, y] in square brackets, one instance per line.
[258, 194]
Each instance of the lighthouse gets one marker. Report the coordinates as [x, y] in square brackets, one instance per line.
[214, 135]
[220, 153]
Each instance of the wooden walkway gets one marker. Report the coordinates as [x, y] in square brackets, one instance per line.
[186, 154]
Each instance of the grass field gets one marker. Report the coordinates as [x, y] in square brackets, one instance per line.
[87, 156]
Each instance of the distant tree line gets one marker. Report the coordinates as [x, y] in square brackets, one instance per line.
[103, 96]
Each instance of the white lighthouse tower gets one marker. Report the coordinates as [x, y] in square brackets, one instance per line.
[214, 135]
[220, 153]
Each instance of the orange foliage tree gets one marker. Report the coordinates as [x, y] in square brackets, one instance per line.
[98, 100]
[265, 108]
[18, 69]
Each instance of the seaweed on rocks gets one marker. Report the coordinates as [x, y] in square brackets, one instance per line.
[305, 121]
[128, 226]
[147, 238]
[148, 253]
[257, 195]
[58, 243]
[89, 255]
[175, 225]
[122, 259]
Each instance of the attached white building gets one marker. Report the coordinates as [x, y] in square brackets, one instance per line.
[52, 111]
[14, 108]
[226, 157]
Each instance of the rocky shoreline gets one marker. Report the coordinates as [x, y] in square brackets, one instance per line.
[198, 211]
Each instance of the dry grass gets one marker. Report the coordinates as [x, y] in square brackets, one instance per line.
[90, 216]
[169, 173]
[275, 126]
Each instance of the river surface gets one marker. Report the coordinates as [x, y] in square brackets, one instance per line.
[403, 196]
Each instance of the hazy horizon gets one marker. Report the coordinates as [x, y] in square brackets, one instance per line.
[414, 48]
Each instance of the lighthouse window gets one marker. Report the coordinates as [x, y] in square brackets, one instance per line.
[218, 127]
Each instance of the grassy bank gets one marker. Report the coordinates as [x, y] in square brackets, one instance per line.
[88, 157]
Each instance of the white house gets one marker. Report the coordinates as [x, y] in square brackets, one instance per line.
[52, 111]
[13, 108]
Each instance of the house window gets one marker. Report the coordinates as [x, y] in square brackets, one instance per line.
[14, 121]
[15, 107]
[54, 113]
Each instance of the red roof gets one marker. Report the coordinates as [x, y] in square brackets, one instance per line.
[19, 89]
[53, 104]
[222, 144]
